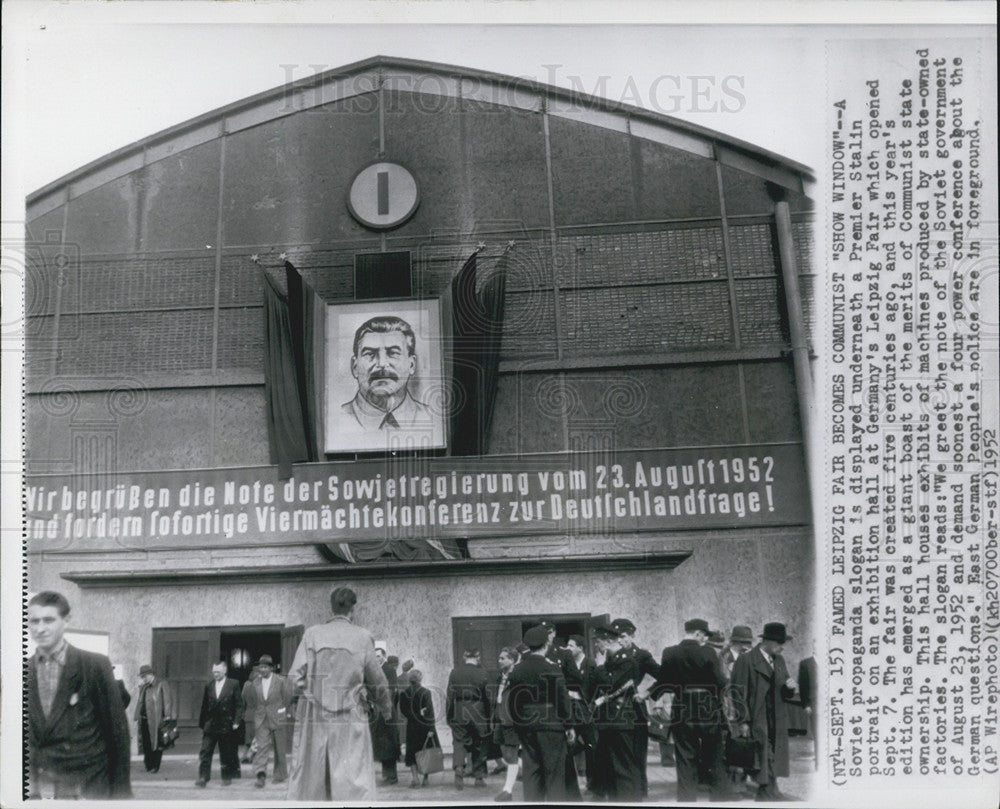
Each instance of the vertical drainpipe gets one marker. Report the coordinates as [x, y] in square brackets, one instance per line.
[796, 322]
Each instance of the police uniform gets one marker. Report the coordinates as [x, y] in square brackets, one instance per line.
[694, 675]
[617, 775]
[643, 663]
[538, 705]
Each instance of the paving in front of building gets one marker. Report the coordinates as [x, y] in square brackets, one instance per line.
[177, 774]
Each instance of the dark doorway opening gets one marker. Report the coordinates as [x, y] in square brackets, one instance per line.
[183, 656]
[242, 648]
[490, 635]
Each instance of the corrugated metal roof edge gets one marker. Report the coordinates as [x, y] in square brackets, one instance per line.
[347, 71]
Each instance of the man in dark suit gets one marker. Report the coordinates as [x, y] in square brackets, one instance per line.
[384, 729]
[760, 687]
[221, 710]
[467, 710]
[644, 664]
[78, 739]
[693, 673]
[270, 699]
[538, 705]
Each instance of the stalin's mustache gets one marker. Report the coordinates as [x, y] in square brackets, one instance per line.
[374, 376]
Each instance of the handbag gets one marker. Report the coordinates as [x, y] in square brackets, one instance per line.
[659, 728]
[168, 734]
[430, 759]
[739, 752]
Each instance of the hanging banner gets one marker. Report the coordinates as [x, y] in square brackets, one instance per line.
[409, 498]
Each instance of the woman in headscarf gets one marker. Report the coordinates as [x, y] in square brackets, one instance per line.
[416, 707]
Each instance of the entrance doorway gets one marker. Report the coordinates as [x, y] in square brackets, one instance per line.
[242, 648]
[490, 635]
[183, 656]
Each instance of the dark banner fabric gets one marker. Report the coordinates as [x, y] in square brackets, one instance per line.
[411, 498]
[287, 429]
[477, 328]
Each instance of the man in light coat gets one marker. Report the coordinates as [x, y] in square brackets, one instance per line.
[269, 700]
[760, 686]
[336, 672]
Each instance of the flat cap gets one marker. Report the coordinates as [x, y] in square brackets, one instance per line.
[624, 626]
[536, 637]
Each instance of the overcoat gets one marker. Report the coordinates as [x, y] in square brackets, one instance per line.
[159, 706]
[417, 708]
[336, 672]
[758, 689]
[385, 729]
[86, 731]
[467, 699]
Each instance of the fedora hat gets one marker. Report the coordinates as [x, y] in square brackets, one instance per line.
[696, 625]
[776, 632]
[265, 660]
[145, 669]
[741, 634]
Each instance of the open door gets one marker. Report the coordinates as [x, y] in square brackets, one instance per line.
[291, 636]
[183, 658]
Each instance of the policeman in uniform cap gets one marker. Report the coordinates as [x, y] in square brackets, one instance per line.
[693, 673]
[538, 705]
[644, 664]
[617, 773]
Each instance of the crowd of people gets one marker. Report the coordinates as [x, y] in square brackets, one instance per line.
[552, 717]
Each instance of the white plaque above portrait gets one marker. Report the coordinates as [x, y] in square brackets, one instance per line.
[383, 195]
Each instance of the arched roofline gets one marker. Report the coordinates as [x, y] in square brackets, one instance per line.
[413, 75]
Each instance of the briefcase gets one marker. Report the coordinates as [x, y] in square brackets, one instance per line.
[430, 759]
[168, 734]
[739, 752]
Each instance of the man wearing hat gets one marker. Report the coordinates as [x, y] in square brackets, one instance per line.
[269, 699]
[154, 706]
[538, 705]
[644, 664]
[760, 685]
[616, 769]
[740, 642]
[692, 672]
[467, 710]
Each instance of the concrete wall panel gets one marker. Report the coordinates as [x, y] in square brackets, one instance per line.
[181, 200]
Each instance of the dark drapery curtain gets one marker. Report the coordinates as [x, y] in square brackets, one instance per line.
[287, 430]
[477, 329]
[294, 361]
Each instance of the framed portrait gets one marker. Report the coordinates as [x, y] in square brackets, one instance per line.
[386, 388]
